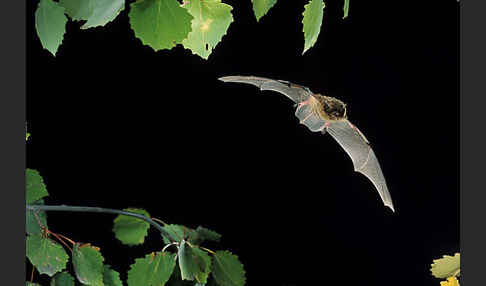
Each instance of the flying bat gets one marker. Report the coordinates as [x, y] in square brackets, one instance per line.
[327, 114]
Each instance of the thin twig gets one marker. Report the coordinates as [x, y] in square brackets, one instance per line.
[64, 208]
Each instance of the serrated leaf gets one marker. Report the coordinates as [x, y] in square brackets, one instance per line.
[346, 9]
[34, 219]
[203, 262]
[194, 263]
[47, 256]
[180, 232]
[130, 230]
[204, 234]
[211, 21]
[62, 279]
[111, 277]
[88, 264]
[313, 13]
[161, 24]
[35, 188]
[446, 266]
[95, 12]
[227, 270]
[154, 269]
[261, 7]
[50, 23]
[78, 9]
[104, 11]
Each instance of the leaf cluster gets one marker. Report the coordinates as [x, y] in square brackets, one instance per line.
[199, 25]
[49, 253]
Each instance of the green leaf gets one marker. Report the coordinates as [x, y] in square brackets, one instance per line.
[104, 12]
[227, 269]
[62, 279]
[88, 264]
[95, 12]
[34, 219]
[27, 134]
[78, 9]
[111, 277]
[211, 21]
[186, 263]
[46, 255]
[130, 230]
[35, 187]
[261, 7]
[446, 266]
[161, 24]
[203, 262]
[312, 21]
[180, 232]
[31, 284]
[154, 269]
[50, 23]
[346, 9]
[204, 234]
[176, 279]
[194, 263]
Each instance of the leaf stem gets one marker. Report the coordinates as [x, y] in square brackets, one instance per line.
[170, 244]
[159, 220]
[66, 238]
[208, 250]
[58, 238]
[64, 208]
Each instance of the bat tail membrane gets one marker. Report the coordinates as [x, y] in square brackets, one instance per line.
[363, 157]
[309, 118]
[294, 92]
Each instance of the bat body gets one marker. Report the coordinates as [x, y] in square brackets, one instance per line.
[328, 115]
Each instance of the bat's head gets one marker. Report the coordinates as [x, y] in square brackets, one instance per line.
[333, 108]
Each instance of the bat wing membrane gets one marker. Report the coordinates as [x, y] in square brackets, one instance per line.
[309, 118]
[295, 92]
[363, 157]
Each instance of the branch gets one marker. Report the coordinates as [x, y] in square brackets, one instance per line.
[64, 208]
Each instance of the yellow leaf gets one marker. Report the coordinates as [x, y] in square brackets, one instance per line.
[451, 281]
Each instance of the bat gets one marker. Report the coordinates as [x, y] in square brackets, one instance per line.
[327, 114]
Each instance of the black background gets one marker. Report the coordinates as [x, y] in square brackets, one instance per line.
[115, 124]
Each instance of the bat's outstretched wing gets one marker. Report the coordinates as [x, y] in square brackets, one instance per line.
[363, 157]
[295, 92]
